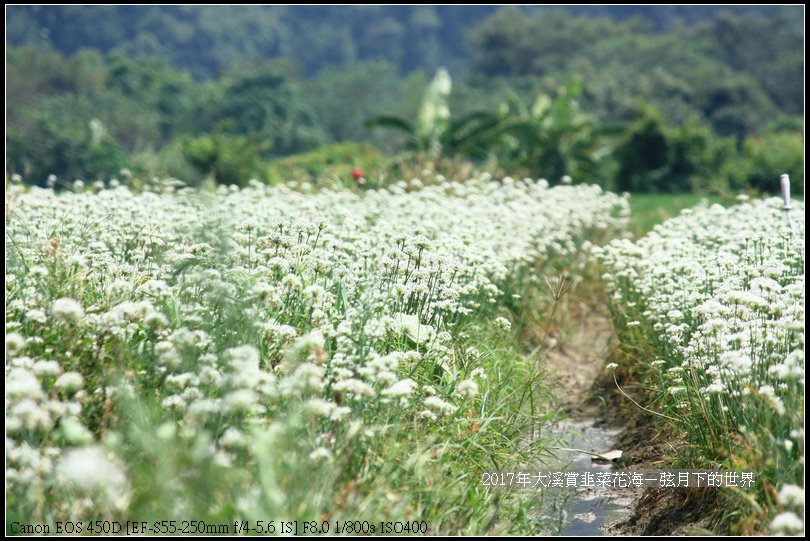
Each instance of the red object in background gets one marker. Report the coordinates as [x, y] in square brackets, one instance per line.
[357, 174]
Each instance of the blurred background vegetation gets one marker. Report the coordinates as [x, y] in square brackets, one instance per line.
[635, 98]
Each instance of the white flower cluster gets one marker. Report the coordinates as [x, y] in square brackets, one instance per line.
[720, 292]
[254, 304]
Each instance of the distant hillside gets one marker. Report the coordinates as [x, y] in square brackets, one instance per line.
[211, 40]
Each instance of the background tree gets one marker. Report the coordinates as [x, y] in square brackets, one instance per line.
[552, 138]
[296, 78]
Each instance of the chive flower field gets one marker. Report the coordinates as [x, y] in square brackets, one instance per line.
[710, 306]
[270, 352]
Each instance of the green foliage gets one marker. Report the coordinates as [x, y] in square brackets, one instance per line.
[512, 43]
[734, 105]
[735, 71]
[157, 85]
[764, 159]
[727, 88]
[436, 136]
[332, 162]
[372, 88]
[225, 159]
[265, 99]
[656, 157]
[427, 134]
[70, 140]
[169, 162]
[553, 138]
[768, 48]
[211, 40]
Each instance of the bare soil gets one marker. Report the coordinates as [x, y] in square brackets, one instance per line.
[584, 342]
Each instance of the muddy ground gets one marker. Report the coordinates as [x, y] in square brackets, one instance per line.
[583, 343]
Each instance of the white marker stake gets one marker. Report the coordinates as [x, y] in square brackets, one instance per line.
[785, 180]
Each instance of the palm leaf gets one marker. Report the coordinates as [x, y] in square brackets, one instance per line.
[391, 121]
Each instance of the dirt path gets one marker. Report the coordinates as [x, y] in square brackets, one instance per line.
[600, 419]
[583, 339]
